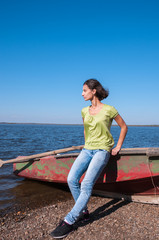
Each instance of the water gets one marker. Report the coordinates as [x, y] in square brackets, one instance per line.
[27, 139]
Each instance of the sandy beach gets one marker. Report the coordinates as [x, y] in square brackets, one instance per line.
[109, 219]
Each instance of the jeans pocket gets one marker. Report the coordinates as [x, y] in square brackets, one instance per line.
[103, 150]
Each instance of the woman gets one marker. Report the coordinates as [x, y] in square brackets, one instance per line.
[97, 120]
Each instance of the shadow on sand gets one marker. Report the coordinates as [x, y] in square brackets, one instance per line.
[103, 211]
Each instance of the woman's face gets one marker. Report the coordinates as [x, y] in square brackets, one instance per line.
[87, 93]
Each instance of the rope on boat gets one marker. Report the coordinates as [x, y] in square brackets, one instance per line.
[155, 187]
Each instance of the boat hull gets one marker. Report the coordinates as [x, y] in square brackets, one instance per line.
[133, 174]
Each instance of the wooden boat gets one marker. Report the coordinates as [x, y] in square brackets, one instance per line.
[133, 174]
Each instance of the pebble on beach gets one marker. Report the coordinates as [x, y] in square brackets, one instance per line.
[110, 219]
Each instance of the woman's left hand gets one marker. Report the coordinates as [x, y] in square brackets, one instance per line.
[115, 151]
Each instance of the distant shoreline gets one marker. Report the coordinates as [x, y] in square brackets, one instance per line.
[76, 124]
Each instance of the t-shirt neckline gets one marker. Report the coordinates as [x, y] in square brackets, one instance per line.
[97, 112]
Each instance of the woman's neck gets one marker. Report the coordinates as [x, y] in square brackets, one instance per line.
[95, 102]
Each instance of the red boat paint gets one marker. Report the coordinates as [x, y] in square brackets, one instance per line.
[133, 172]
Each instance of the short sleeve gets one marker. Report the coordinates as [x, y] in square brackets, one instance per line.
[113, 112]
[84, 111]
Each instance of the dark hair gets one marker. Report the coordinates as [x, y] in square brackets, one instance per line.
[101, 93]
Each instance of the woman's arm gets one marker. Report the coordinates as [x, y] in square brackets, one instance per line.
[123, 132]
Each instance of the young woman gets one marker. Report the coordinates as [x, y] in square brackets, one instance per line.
[97, 120]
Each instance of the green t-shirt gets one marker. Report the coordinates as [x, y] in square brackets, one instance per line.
[97, 128]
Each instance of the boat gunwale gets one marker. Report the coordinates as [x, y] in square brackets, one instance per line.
[150, 152]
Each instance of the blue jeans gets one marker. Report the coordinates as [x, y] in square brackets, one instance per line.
[93, 161]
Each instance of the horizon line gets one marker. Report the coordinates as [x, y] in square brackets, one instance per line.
[30, 123]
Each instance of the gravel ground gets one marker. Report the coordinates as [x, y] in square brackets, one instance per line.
[109, 220]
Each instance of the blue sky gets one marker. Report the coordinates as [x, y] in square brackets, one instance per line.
[49, 48]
